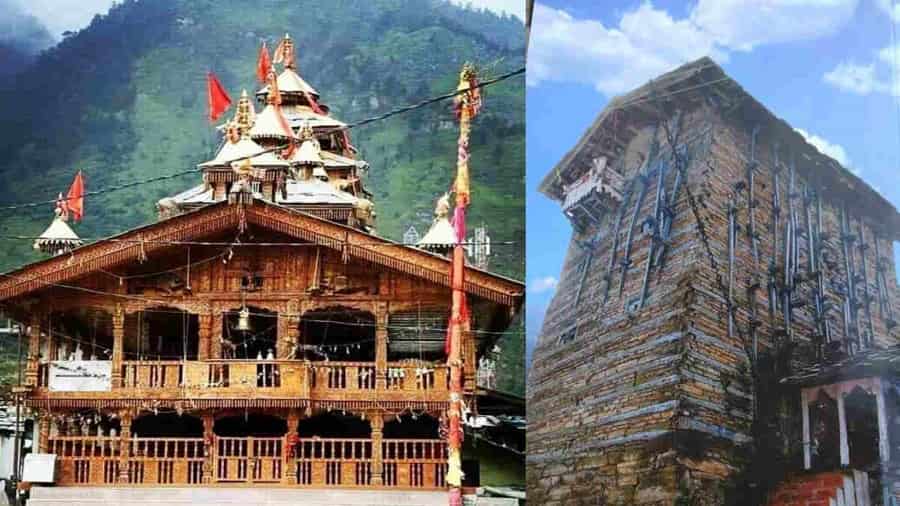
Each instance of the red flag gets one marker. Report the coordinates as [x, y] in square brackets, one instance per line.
[218, 99]
[75, 198]
[263, 64]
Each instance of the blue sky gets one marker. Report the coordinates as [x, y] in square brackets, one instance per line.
[825, 66]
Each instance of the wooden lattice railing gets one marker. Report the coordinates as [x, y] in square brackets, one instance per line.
[288, 377]
[312, 462]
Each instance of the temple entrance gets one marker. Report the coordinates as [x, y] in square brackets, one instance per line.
[161, 333]
[338, 334]
[252, 335]
[825, 437]
[249, 448]
[862, 429]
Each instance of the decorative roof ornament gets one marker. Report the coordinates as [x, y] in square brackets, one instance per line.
[242, 189]
[245, 115]
[310, 152]
[232, 132]
[284, 53]
[59, 238]
[441, 237]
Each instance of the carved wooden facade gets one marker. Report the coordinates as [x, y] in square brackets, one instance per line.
[157, 307]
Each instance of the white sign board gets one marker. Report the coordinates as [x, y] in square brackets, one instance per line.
[39, 468]
[80, 375]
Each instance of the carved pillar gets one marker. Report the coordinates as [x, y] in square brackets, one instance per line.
[34, 351]
[376, 420]
[209, 447]
[204, 335]
[124, 446]
[289, 476]
[118, 346]
[215, 349]
[381, 343]
[44, 420]
[288, 330]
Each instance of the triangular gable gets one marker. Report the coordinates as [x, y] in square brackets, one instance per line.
[144, 241]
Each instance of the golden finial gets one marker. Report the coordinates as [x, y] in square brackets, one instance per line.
[243, 168]
[442, 207]
[244, 116]
[232, 131]
[306, 132]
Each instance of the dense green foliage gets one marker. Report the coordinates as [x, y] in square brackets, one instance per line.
[124, 99]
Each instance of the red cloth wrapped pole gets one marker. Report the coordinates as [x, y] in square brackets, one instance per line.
[467, 105]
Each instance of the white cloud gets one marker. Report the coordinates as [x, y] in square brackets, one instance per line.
[875, 76]
[541, 285]
[855, 78]
[648, 41]
[744, 24]
[513, 7]
[835, 151]
[887, 8]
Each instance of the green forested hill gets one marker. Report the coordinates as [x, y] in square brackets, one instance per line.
[124, 99]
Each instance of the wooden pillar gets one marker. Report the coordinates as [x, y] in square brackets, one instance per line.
[215, 349]
[209, 447]
[804, 408]
[884, 445]
[289, 474]
[204, 335]
[34, 351]
[118, 321]
[44, 420]
[842, 428]
[288, 331]
[381, 344]
[125, 418]
[376, 420]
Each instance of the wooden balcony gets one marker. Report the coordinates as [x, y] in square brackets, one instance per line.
[276, 379]
[312, 462]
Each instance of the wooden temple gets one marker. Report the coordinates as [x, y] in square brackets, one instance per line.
[259, 332]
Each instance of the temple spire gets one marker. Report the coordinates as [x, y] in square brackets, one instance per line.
[59, 237]
[284, 53]
[245, 115]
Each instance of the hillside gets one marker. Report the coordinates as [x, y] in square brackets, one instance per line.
[124, 99]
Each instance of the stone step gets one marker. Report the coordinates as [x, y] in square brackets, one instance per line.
[245, 496]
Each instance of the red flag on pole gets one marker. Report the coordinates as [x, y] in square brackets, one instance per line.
[75, 198]
[263, 64]
[218, 98]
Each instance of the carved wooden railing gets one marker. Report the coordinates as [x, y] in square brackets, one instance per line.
[417, 378]
[342, 376]
[311, 462]
[150, 461]
[322, 462]
[415, 463]
[282, 378]
[166, 461]
[249, 459]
